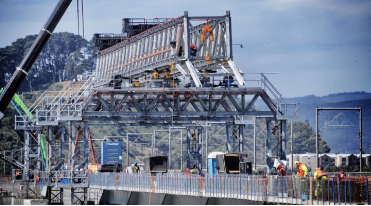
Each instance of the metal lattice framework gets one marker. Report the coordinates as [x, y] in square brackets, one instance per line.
[62, 118]
[170, 43]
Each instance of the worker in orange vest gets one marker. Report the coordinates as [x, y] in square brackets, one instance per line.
[342, 175]
[37, 178]
[302, 169]
[281, 170]
[319, 175]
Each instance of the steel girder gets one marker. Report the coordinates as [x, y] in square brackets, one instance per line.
[176, 105]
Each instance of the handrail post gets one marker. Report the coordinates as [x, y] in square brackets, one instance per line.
[367, 195]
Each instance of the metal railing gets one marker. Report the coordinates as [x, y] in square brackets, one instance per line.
[271, 188]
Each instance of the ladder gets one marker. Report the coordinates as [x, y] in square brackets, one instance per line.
[182, 45]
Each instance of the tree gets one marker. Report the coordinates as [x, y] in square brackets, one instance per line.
[305, 139]
[63, 57]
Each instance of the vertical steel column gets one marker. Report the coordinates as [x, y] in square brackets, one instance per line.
[292, 151]
[127, 150]
[61, 195]
[240, 139]
[170, 134]
[39, 153]
[50, 148]
[228, 144]
[27, 159]
[189, 137]
[283, 139]
[268, 144]
[360, 139]
[181, 150]
[72, 196]
[63, 142]
[317, 142]
[153, 143]
[254, 143]
[186, 36]
[206, 149]
[86, 146]
[229, 35]
[200, 139]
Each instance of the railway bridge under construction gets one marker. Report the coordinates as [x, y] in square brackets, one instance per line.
[177, 73]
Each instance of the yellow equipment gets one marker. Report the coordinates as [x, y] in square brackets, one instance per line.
[136, 84]
[155, 75]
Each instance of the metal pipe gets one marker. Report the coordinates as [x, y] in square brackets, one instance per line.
[207, 151]
[292, 150]
[32, 54]
[254, 143]
[317, 155]
[360, 139]
[181, 150]
[170, 148]
[127, 150]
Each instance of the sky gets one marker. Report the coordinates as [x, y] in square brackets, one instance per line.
[305, 46]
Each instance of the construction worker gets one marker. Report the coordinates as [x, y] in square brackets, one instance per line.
[155, 74]
[302, 169]
[193, 50]
[319, 175]
[302, 172]
[167, 74]
[342, 175]
[281, 170]
[18, 174]
[136, 168]
[37, 178]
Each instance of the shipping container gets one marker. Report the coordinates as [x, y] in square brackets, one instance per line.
[111, 153]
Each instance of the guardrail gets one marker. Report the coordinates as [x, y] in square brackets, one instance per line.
[272, 188]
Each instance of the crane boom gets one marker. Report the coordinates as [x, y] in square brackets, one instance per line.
[22, 70]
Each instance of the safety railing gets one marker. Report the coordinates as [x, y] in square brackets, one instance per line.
[271, 188]
[59, 178]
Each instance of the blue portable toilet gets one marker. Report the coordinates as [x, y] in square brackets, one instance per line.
[211, 162]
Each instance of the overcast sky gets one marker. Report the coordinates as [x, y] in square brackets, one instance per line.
[316, 46]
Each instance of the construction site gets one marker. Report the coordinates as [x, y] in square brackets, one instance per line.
[176, 75]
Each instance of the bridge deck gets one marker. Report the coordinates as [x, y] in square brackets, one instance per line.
[270, 189]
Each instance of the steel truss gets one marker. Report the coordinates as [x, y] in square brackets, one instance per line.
[57, 142]
[55, 195]
[170, 42]
[176, 105]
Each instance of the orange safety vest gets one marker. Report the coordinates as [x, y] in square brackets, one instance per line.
[281, 170]
[37, 179]
[301, 172]
[206, 29]
[320, 173]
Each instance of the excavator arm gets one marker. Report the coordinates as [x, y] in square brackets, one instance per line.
[22, 70]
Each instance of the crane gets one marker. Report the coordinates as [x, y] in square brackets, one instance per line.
[22, 70]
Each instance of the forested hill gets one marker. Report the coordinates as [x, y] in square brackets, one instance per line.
[63, 57]
[342, 133]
